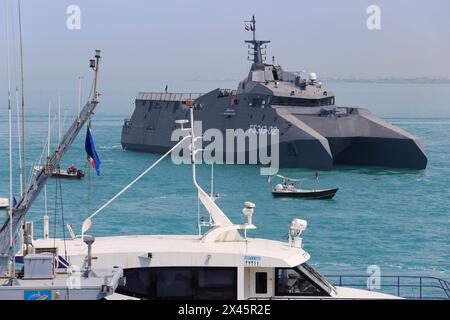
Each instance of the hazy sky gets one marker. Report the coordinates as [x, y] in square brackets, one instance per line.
[149, 43]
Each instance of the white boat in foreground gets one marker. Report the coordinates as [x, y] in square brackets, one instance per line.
[221, 263]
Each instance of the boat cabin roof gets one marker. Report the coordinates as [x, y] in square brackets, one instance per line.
[171, 250]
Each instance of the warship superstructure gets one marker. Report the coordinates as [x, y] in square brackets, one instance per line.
[314, 132]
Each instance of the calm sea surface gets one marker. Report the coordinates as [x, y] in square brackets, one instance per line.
[397, 219]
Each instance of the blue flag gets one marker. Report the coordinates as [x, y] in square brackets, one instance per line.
[14, 202]
[92, 153]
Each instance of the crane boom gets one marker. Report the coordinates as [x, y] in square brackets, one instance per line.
[40, 178]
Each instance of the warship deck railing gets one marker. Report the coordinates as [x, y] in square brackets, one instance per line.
[168, 96]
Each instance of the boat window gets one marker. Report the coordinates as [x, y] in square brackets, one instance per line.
[138, 283]
[181, 283]
[173, 283]
[292, 282]
[216, 283]
[261, 282]
[312, 273]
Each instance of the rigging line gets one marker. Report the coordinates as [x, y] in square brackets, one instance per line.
[46, 146]
[55, 215]
[62, 217]
[198, 218]
[45, 187]
[24, 168]
[54, 227]
[19, 138]
[89, 179]
[138, 178]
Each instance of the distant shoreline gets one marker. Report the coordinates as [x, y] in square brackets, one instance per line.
[391, 80]
[358, 80]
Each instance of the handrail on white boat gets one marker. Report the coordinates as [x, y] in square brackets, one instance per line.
[409, 287]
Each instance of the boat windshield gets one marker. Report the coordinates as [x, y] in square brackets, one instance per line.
[311, 273]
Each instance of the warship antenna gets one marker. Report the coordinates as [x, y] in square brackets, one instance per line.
[253, 27]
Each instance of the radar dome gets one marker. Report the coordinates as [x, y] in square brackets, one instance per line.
[313, 76]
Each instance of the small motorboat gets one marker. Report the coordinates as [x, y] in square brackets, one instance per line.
[4, 203]
[290, 187]
[70, 173]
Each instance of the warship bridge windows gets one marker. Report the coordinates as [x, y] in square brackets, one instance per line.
[226, 93]
[258, 103]
[301, 102]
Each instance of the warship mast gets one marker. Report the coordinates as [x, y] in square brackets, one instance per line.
[258, 45]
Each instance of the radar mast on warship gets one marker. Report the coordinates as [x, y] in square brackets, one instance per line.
[313, 132]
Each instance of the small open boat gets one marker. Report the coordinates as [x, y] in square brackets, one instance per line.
[289, 188]
[319, 194]
[4, 203]
[71, 173]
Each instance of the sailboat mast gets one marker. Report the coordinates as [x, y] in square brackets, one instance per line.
[10, 205]
[19, 136]
[212, 180]
[80, 92]
[19, 140]
[24, 167]
[59, 118]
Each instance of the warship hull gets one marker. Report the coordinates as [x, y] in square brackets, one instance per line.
[310, 131]
[308, 137]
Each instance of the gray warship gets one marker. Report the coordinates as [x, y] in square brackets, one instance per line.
[314, 132]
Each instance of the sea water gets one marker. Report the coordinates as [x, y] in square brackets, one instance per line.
[397, 219]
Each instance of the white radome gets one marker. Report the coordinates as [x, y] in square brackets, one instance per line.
[313, 76]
